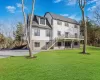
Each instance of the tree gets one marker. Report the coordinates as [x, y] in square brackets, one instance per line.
[19, 34]
[97, 15]
[93, 33]
[2, 41]
[28, 28]
[82, 4]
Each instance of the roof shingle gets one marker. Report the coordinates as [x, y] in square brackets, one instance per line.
[62, 18]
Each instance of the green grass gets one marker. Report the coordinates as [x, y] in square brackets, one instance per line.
[53, 65]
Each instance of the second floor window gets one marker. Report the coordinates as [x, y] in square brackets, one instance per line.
[42, 21]
[76, 35]
[59, 33]
[75, 26]
[59, 22]
[66, 34]
[66, 24]
[48, 33]
[37, 32]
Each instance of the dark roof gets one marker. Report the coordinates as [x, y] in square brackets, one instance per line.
[36, 22]
[62, 18]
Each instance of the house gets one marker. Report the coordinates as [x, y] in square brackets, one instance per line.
[54, 31]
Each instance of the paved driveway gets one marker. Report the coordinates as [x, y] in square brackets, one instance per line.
[8, 53]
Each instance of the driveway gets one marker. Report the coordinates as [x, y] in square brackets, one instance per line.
[8, 53]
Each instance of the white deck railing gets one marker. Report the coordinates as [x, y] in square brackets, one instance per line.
[70, 37]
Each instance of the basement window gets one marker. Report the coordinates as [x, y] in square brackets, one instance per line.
[76, 43]
[37, 44]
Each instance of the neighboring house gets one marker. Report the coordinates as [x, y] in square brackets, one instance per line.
[55, 32]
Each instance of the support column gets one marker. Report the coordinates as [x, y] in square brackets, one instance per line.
[64, 44]
[79, 44]
[72, 44]
[32, 45]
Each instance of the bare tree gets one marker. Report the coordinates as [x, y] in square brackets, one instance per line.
[28, 32]
[97, 15]
[82, 4]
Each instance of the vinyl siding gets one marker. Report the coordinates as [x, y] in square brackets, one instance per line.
[64, 29]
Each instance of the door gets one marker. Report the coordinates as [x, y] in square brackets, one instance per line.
[67, 44]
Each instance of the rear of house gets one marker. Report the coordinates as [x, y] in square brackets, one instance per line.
[55, 32]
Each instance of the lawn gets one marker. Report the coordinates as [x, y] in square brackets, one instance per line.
[53, 65]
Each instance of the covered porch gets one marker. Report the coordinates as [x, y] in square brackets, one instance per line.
[67, 44]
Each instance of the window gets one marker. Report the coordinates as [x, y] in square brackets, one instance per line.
[59, 44]
[48, 33]
[66, 34]
[59, 33]
[76, 36]
[59, 22]
[75, 43]
[42, 21]
[47, 43]
[75, 26]
[37, 44]
[66, 24]
[37, 32]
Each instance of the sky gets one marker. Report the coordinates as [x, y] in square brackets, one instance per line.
[11, 9]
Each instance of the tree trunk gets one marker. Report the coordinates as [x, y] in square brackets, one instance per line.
[30, 51]
[85, 32]
[30, 42]
[28, 28]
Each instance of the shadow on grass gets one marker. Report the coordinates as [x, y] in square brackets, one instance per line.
[84, 53]
[28, 57]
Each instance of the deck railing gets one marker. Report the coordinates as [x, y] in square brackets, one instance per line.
[70, 37]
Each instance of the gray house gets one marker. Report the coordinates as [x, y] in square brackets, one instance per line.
[54, 31]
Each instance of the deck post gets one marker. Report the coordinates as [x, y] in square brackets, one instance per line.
[72, 44]
[64, 44]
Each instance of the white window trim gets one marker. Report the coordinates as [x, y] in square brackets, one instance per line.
[49, 33]
[59, 24]
[42, 24]
[66, 23]
[34, 32]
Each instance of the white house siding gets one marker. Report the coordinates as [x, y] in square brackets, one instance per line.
[64, 29]
[42, 44]
[55, 28]
[42, 35]
[42, 39]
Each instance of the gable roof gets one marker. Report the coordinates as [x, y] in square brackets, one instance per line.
[36, 22]
[62, 18]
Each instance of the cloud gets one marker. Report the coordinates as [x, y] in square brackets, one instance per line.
[97, 3]
[64, 14]
[74, 16]
[11, 9]
[92, 1]
[71, 2]
[91, 8]
[57, 1]
[19, 5]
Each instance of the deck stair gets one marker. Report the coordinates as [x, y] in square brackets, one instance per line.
[52, 43]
